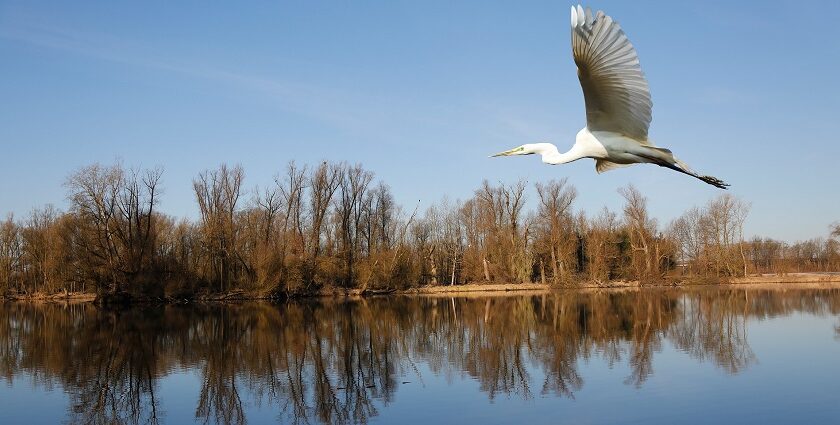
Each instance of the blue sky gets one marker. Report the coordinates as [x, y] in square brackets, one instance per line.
[420, 93]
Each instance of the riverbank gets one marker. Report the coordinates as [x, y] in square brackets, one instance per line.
[70, 297]
[793, 280]
[787, 278]
[797, 280]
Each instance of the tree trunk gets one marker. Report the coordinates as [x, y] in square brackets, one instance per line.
[542, 271]
[454, 265]
[432, 267]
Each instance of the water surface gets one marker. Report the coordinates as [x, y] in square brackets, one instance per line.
[650, 356]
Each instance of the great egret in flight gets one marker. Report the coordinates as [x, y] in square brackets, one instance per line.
[618, 105]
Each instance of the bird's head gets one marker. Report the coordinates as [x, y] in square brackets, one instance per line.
[528, 149]
[520, 150]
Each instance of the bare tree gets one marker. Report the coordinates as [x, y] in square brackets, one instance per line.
[39, 245]
[352, 190]
[137, 199]
[641, 229]
[725, 216]
[218, 193]
[502, 238]
[11, 253]
[292, 189]
[602, 245]
[260, 238]
[513, 197]
[687, 230]
[425, 242]
[115, 211]
[323, 183]
[554, 215]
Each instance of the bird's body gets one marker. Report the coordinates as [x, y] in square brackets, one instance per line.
[618, 104]
[605, 146]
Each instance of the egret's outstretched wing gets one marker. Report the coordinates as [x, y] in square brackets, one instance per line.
[615, 90]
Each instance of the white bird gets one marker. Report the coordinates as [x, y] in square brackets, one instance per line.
[618, 105]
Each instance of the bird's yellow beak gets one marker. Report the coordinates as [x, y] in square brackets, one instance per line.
[514, 151]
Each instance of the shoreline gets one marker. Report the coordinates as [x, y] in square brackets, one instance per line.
[789, 281]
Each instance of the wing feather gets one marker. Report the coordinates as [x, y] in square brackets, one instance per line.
[615, 90]
[602, 165]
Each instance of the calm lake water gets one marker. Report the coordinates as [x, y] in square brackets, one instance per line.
[651, 356]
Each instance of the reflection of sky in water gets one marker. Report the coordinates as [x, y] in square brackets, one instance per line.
[789, 372]
[796, 380]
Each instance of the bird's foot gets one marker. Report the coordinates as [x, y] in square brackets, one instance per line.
[714, 181]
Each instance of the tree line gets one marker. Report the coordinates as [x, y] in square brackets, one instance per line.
[333, 225]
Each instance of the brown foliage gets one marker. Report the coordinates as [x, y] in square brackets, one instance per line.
[335, 225]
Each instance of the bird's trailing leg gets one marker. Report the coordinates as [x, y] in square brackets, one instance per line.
[680, 166]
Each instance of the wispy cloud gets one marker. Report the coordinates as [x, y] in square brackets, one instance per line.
[527, 123]
[338, 107]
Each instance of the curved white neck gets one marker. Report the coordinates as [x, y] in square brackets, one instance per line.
[551, 155]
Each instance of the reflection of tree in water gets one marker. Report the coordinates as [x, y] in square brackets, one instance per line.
[106, 362]
[219, 338]
[338, 362]
[711, 329]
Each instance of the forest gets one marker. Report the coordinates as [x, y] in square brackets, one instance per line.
[334, 225]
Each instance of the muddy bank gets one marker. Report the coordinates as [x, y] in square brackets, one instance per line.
[792, 281]
[71, 297]
[787, 278]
